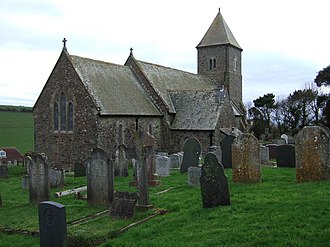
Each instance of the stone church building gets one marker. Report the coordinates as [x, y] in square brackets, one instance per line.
[87, 103]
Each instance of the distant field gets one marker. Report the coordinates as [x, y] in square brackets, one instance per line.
[16, 130]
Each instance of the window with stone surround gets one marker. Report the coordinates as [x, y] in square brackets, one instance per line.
[151, 129]
[235, 63]
[55, 116]
[120, 134]
[70, 116]
[63, 115]
[63, 111]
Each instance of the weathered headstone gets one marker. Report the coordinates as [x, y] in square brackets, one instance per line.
[100, 178]
[25, 182]
[214, 183]
[285, 138]
[217, 151]
[312, 154]
[163, 165]
[194, 174]
[149, 157]
[38, 178]
[142, 183]
[3, 171]
[246, 159]
[121, 162]
[56, 178]
[79, 170]
[175, 160]
[285, 156]
[225, 144]
[52, 224]
[272, 151]
[123, 204]
[191, 151]
[264, 155]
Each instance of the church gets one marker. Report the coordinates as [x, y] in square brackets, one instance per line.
[87, 103]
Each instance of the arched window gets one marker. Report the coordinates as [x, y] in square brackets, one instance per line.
[214, 63]
[63, 111]
[150, 129]
[211, 64]
[235, 63]
[55, 116]
[120, 134]
[70, 116]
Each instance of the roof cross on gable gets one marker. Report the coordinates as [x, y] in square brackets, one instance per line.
[64, 43]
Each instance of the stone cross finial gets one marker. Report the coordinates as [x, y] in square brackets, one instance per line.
[131, 51]
[64, 43]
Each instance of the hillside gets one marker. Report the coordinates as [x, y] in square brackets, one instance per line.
[16, 128]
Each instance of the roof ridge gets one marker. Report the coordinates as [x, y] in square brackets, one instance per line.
[98, 61]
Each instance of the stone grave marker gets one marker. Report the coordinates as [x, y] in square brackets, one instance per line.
[121, 162]
[285, 138]
[194, 174]
[56, 178]
[100, 178]
[142, 183]
[163, 165]
[191, 151]
[79, 170]
[52, 224]
[39, 187]
[123, 204]
[312, 154]
[264, 155]
[25, 182]
[246, 159]
[225, 144]
[217, 151]
[272, 151]
[149, 157]
[3, 171]
[214, 183]
[285, 155]
[175, 160]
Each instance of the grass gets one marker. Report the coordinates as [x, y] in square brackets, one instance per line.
[276, 212]
[16, 130]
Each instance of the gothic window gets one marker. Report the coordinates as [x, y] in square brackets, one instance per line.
[120, 134]
[55, 116]
[63, 111]
[150, 129]
[211, 61]
[235, 63]
[70, 116]
[214, 63]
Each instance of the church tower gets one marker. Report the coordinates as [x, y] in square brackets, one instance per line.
[219, 57]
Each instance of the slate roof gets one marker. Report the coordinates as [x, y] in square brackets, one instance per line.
[196, 110]
[114, 88]
[218, 34]
[164, 79]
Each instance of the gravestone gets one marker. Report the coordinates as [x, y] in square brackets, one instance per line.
[121, 162]
[246, 159]
[175, 160]
[217, 151]
[214, 183]
[225, 144]
[191, 152]
[264, 155]
[52, 224]
[56, 178]
[194, 175]
[142, 183]
[123, 204]
[272, 151]
[79, 170]
[312, 154]
[149, 157]
[285, 138]
[100, 178]
[25, 182]
[285, 156]
[38, 178]
[3, 171]
[163, 165]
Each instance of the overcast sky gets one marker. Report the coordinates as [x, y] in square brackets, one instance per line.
[285, 42]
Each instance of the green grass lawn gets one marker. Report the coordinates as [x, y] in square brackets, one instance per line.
[16, 130]
[275, 212]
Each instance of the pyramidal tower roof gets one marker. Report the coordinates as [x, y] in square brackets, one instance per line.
[218, 34]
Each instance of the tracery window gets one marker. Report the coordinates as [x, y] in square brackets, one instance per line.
[63, 115]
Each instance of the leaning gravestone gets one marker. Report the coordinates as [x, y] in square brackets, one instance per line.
[214, 183]
[191, 152]
[52, 224]
[285, 156]
[312, 154]
[163, 165]
[38, 178]
[246, 159]
[121, 162]
[123, 204]
[3, 171]
[194, 175]
[226, 157]
[100, 178]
